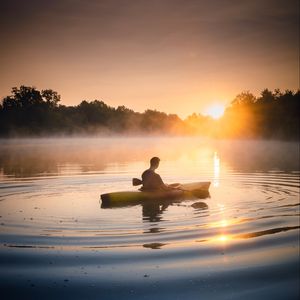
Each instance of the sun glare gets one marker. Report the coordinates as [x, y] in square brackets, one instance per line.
[215, 111]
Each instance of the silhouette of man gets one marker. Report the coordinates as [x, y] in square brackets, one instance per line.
[151, 180]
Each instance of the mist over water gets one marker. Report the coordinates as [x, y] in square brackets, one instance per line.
[242, 241]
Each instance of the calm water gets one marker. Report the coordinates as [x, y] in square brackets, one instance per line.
[57, 241]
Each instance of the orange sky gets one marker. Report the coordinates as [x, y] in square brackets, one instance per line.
[177, 56]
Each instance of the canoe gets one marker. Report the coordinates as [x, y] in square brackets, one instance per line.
[192, 190]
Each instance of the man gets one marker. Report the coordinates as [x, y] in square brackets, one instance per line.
[151, 180]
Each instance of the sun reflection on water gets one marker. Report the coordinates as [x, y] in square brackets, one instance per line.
[223, 238]
[216, 170]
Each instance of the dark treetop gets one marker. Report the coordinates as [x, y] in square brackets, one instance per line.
[30, 112]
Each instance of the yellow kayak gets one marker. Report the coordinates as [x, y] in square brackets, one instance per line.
[192, 190]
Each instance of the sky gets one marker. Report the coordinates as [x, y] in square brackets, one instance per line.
[176, 56]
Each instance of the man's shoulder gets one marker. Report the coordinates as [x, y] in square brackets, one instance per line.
[148, 172]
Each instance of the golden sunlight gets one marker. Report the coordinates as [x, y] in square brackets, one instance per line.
[223, 238]
[215, 111]
[216, 170]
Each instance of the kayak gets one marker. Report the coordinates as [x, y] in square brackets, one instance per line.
[194, 190]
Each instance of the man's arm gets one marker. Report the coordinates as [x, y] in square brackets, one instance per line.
[161, 184]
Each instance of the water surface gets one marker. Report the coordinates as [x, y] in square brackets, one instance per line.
[240, 242]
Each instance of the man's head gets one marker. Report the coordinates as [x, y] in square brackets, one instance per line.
[154, 162]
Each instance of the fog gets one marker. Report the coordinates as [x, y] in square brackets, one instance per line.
[32, 157]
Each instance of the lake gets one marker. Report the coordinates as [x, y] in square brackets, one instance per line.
[57, 241]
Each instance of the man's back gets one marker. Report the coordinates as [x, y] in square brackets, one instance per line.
[151, 180]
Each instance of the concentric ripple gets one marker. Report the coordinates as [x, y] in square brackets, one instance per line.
[52, 216]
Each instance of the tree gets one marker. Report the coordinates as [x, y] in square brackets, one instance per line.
[28, 111]
[242, 99]
[267, 96]
[51, 97]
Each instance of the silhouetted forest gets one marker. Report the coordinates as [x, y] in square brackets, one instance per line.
[30, 112]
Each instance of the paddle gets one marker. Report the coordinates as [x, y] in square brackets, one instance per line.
[136, 181]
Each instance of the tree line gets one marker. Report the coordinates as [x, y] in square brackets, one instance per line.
[271, 115]
[30, 112]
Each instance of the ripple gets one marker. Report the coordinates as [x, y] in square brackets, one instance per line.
[53, 226]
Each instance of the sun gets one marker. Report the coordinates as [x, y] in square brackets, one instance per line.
[215, 111]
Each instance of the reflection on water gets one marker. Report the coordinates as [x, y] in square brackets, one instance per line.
[53, 184]
[152, 212]
[200, 205]
[49, 199]
[265, 232]
[216, 170]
